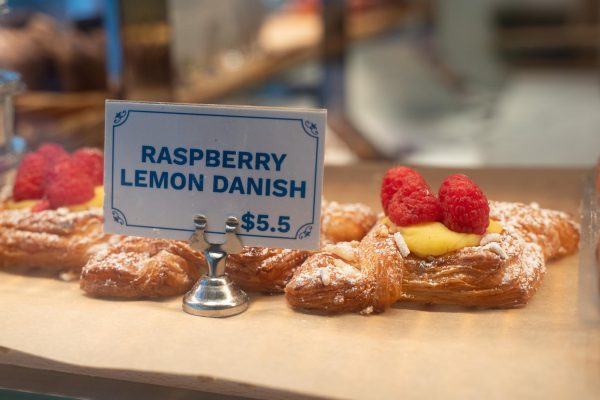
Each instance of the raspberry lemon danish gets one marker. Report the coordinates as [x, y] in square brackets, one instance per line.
[51, 217]
[454, 248]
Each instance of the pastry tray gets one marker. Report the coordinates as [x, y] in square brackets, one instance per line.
[412, 351]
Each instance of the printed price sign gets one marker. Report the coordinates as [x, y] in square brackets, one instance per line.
[165, 163]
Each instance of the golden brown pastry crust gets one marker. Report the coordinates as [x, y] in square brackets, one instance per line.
[501, 275]
[53, 239]
[345, 222]
[363, 276]
[265, 270]
[554, 231]
[141, 267]
[260, 269]
[503, 272]
[254, 269]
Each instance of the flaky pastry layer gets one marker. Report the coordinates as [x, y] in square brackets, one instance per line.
[363, 276]
[266, 270]
[254, 269]
[554, 231]
[261, 269]
[53, 239]
[503, 272]
[345, 222]
[141, 267]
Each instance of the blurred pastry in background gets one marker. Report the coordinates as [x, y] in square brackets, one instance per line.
[52, 57]
[142, 268]
[51, 216]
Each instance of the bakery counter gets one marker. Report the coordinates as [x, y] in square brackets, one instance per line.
[55, 339]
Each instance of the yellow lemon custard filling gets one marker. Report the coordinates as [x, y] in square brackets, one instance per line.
[435, 239]
[95, 202]
[16, 205]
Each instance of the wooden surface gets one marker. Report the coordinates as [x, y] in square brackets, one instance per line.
[540, 351]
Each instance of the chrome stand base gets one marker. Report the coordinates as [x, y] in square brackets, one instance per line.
[215, 297]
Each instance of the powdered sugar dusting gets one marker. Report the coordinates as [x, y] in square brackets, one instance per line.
[538, 225]
[503, 270]
[345, 221]
[64, 236]
[527, 218]
[107, 261]
[344, 250]
[367, 311]
[337, 270]
[325, 278]
[331, 210]
[346, 270]
[526, 269]
[494, 247]
[489, 238]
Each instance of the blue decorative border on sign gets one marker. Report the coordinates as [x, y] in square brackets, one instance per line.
[120, 118]
[309, 127]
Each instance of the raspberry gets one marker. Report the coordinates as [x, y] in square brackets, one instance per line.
[68, 184]
[465, 208]
[52, 152]
[416, 208]
[31, 178]
[403, 179]
[92, 162]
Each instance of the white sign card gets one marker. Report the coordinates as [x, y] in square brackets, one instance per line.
[165, 163]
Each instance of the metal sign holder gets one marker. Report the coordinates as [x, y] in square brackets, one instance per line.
[215, 295]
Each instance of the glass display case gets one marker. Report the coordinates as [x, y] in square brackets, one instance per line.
[477, 120]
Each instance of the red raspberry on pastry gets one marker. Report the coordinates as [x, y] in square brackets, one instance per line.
[68, 184]
[415, 208]
[52, 152]
[31, 178]
[92, 162]
[401, 179]
[465, 208]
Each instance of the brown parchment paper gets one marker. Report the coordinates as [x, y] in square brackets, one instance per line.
[541, 351]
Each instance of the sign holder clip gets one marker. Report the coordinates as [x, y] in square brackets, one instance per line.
[215, 295]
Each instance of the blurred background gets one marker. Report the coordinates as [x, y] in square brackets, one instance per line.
[449, 83]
